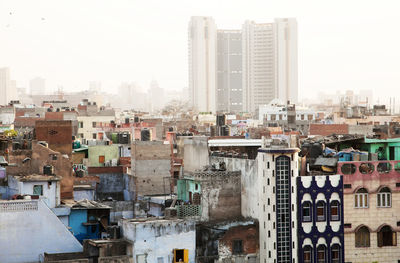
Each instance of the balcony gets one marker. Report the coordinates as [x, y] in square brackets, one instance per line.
[188, 211]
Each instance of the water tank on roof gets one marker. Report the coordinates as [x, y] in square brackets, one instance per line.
[124, 138]
[316, 150]
[145, 135]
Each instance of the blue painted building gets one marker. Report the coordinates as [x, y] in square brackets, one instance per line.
[88, 219]
[320, 219]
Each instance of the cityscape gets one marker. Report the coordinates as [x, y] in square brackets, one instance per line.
[230, 155]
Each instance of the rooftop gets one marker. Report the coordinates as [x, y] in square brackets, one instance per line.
[37, 178]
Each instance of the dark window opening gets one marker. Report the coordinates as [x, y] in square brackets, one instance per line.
[306, 212]
[237, 247]
[321, 255]
[387, 237]
[335, 210]
[38, 190]
[307, 254]
[335, 253]
[362, 237]
[320, 211]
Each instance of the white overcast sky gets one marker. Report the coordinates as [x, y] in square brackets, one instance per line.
[342, 44]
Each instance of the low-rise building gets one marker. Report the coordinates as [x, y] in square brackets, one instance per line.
[160, 240]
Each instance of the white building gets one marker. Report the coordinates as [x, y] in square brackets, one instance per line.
[37, 86]
[277, 169]
[8, 89]
[269, 62]
[46, 187]
[229, 71]
[29, 229]
[161, 240]
[202, 63]
[278, 111]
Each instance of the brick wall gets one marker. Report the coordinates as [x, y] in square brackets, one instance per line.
[328, 129]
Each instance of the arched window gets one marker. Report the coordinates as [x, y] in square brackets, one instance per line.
[335, 210]
[361, 198]
[387, 237]
[321, 254]
[321, 211]
[306, 211]
[307, 254]
[384, 198]
[335, 253]
[362, 237]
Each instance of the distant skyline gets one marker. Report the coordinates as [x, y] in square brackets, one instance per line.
[343, 45]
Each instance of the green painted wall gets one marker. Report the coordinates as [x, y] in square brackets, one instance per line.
[108, 151]
[185, 186]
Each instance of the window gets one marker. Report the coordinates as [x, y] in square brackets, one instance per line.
[306, 211]
[384, 198]
[80, 124]
[94, 124]
[307, 254]
[361, 198]
[102, 159]
[321, 257]
[320, 211]
[335, 253]
[335, 210]
[387, 237]
[94, 135]
[38, 190]
[237, 247]
[362, 237]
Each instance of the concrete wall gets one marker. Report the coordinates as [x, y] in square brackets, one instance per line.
[195, 155]
[249, 182]
[108, 151]
[220, 195]
[120, 209]
[151, 162]
[30, 228]
[158, 238]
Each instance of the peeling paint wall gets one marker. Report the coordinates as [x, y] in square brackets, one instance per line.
[249, 182]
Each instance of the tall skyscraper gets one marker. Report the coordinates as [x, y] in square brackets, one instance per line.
[202, 63]
[286, 59]
[38, 86]
[269, 62]
[8, 89]
[239, 70]
[229, 71]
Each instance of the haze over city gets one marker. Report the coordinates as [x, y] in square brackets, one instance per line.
[342, 45]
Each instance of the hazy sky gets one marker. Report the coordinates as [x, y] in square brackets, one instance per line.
[342, 44]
